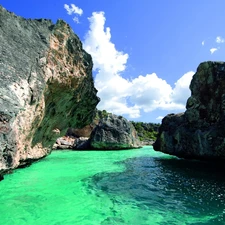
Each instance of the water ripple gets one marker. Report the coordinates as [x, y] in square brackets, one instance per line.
[188, 188]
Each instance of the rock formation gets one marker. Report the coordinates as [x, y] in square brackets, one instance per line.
[46, 86]
[114, 132]
[199, 132]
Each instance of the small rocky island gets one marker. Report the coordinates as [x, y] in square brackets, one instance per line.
[199, 132]
[114, 132]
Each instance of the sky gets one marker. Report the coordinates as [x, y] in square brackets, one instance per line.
[145, 52]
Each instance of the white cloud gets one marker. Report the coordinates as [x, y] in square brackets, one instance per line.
[150, 92]
[181, 90]
[159, 117]
[212, 50]
[73, 9]
[76, 19]
[203, 43]
[122, 96]
[220, 40]
[103, 51]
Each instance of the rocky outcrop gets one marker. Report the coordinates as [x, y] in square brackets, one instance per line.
[199, 132]
[114, 132]
[46, 86]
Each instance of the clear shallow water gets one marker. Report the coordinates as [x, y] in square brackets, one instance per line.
[135, 187]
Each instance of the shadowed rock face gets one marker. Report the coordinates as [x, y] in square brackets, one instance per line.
[46, 86]
[114, 132]
[199, 132]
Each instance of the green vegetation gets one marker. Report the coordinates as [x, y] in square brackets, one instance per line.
[146, 131]
[100, 114]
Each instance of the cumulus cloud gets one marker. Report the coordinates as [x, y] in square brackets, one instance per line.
[104, 53]
[73, 9]
[150, 92]
[212, 50]
[220, 40]
[203, 43]
[123, 96]
[159, 117]
[181, 90]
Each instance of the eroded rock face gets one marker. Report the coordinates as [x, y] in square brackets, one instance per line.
[200, 131]
[114, 132]
[46, 86]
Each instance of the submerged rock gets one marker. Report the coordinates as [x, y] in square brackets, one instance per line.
[46, 86]
[199, 132]
[114, 132]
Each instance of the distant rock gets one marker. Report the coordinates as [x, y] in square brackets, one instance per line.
[114, 132]
[46, 86]
[147, 142]
[82, 143]
[199, 132]
[64, 142]
[70, 142]
[147, 132]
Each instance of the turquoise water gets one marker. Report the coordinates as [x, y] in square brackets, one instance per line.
[135, 187]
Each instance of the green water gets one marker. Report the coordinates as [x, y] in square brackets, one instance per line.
[135, 187]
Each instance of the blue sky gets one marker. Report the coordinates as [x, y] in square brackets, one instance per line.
[145, 52]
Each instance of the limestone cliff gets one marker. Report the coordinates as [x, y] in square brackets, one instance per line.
[199, 132]
[46, 86]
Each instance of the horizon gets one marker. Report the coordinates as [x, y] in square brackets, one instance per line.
[140, 68]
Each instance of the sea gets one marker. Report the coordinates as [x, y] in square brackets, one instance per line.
[134, 187]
